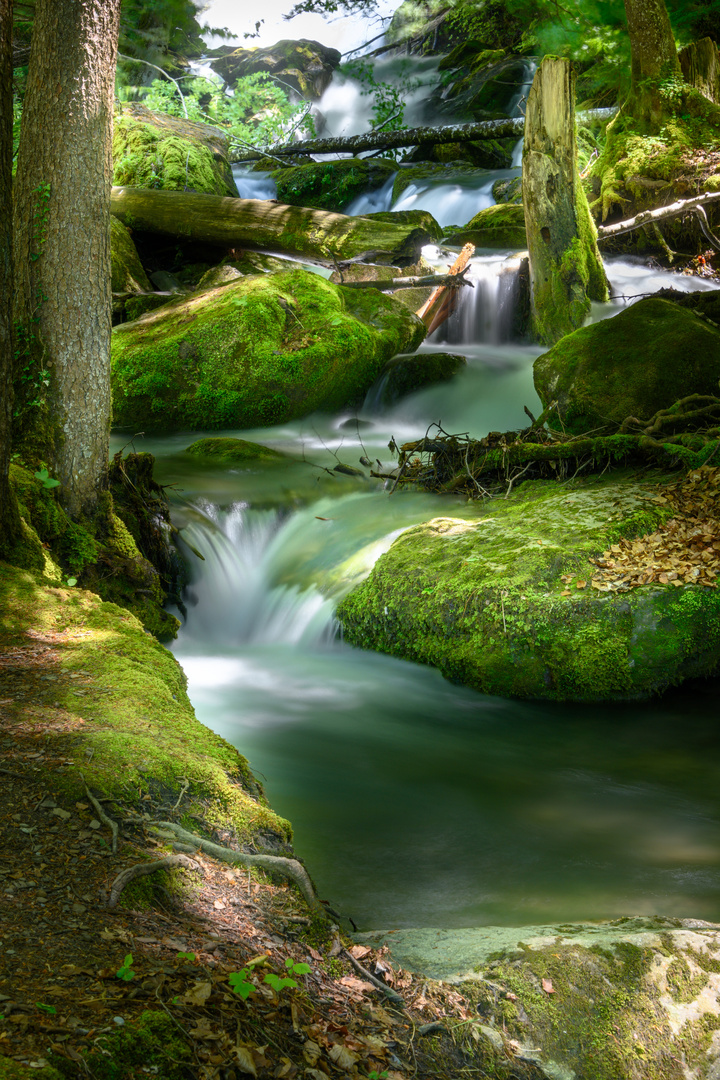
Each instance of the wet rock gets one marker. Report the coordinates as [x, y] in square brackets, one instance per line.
[507, 603]
[651, 355]
[260, 351]
[233, 451]
[305, 65]
[500, 226]
[407, 373]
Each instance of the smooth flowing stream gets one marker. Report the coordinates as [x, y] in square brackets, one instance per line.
[416, 802]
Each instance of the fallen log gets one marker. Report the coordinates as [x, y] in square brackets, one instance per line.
[442, 303]
[681, 206]
[393, 140]
[393, 284]
[266, 225]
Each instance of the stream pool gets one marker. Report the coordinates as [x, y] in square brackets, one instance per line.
[416, 802]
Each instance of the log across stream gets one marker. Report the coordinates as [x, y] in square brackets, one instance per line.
[415, 802]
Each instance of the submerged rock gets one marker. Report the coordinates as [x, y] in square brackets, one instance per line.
[499, 226]
[330, 185]
[234, 451]
[408, 372]
[506, 603]
[632, 998]
[154, 150]
[259, 351]
[646, 358]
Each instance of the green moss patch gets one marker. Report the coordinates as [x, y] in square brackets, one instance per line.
[127, 271]
[504, 603]
[330, 185]
[502, 225]
[121, 700]
[234, 451]
[257, 352]
[155, 150]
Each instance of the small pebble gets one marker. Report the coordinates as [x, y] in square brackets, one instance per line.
[118, 1020]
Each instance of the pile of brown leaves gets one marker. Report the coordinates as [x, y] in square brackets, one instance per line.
[684, 551]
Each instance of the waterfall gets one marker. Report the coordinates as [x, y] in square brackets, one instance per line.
[485, 313]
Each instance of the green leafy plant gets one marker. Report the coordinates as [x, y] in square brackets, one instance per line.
[240, 983]
[47, 479]
[71, 582]
[375, 1075]
[125, 971]
[279, 982]
[185, 956]
[46, 1008]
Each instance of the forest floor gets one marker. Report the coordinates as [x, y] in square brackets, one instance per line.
[78, 979]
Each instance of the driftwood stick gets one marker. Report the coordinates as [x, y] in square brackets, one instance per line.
[143, 869]
[441, 304]
[387, 990]
[682, 206]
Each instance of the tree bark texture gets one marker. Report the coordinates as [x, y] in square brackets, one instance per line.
[566, 271]
[700, 65]
[9, 518]
[654, 58]
[260, 224]
[62, 236]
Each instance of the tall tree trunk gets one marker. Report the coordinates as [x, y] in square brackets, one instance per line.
[9, 517]
[700, 65]
[654, 59]
[62, 239]
[566, 270]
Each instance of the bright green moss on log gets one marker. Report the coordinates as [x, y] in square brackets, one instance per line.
[153, 150]
[645, 359]
[482, 600]
[330, 185]
[257, 352]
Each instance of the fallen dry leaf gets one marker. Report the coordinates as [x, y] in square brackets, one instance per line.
[548, 986]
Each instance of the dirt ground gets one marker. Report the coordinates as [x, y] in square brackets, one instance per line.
[184, 977]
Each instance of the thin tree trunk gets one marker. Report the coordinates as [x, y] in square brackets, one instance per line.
[654, 59]
[62, 236]
[267, 225]
[9, 517]
[566, 271]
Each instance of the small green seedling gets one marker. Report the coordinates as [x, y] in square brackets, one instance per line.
[47, 480]
[375, 1075]
[185, 956]
[125, 972]
[46, 1008]
[240, 983]
[278, 983]
[71, 581]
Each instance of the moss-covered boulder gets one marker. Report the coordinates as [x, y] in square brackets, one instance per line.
[234, 452]
[406, 373]
[330, 185]
[435, 172]
[421, 220]
[646, 358]
[637, 998]
[508, 603]
[127, 270]
[306, 66]
[499, 226]
[482, 154]
[153, 150]
[260, 351]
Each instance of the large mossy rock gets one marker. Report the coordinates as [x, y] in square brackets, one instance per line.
[261, 351]
[646, 358]
[404, 374]
[330, 185]
[306, 66]
[499, 226]
[494, 603]
[635, 998]
[165, 152]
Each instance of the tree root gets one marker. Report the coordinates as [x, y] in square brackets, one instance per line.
[387, 990]
[143, 869]
[289, 868]
[112, 825]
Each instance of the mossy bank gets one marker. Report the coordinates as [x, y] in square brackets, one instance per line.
[504, 603]
[261, 351]
[122, 714]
